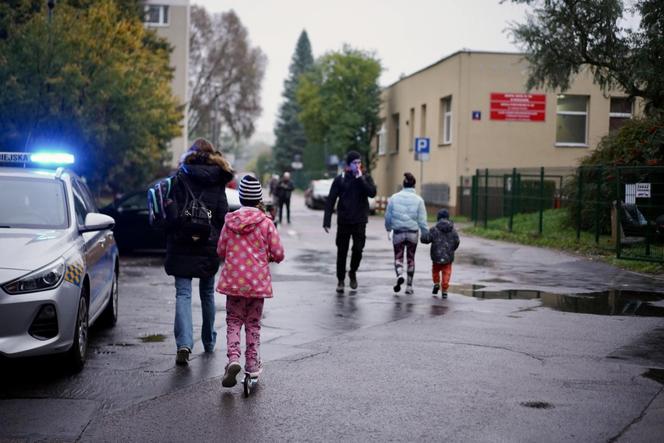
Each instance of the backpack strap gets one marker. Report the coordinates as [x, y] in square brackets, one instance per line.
[185, 180]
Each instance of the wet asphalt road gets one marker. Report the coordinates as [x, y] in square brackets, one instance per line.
[510, 356]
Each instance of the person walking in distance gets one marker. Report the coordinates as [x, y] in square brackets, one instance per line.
[248, 243]
[405, 217]
[444, 241]
[284, 190]
[352, 189]
[203, 174]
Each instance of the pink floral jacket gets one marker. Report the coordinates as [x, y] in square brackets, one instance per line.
[249, 241]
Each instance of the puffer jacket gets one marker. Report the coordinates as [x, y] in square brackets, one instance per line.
[406, 212]
[444, 241]
[185, 258]
[248, 243]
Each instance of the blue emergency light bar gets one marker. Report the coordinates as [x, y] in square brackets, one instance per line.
[37, 158]
[52, 158]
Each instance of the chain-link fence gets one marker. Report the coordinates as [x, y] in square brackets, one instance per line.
[621, 208]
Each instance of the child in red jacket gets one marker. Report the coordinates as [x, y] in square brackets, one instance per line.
[248, 242]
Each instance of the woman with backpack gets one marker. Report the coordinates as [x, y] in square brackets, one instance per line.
[195, 214]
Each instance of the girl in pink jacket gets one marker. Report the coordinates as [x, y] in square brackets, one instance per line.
[248, 242]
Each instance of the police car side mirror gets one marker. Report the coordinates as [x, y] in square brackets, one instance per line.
[97, 222]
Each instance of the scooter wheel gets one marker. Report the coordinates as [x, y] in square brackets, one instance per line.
[247, 385]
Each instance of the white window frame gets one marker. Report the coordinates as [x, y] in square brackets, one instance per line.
[382, 140]
[446, 121]
[164, 17]
[625, 115]
[584, 113]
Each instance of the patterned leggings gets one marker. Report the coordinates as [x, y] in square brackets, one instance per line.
[405, 241]
[248, 312]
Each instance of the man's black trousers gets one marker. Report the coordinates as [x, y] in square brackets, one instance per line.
[344, 233]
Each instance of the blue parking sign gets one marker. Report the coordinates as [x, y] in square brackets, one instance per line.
[422, 149]
[422, 145]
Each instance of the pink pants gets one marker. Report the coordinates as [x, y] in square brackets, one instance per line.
[248, 312]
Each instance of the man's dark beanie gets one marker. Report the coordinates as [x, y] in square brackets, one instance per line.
[443, 213]
[351, 156]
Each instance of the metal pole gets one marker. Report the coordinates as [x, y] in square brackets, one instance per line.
[579, 200]
[475, 196]
[421, 174]
[512, 189]
[618, 215]
[597, 203]
[486, 197]
[541, 202]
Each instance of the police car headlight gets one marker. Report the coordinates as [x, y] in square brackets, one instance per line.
[48, 277]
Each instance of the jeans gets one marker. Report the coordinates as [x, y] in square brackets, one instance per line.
[184, 328]
[344, 234]
[405, 241]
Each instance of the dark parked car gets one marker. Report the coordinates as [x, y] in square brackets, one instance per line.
[132, 228]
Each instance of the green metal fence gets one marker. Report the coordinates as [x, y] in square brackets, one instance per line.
[621, 208]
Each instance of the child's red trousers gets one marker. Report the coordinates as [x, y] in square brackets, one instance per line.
[444, 269]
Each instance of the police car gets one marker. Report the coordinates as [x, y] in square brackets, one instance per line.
[58, 259]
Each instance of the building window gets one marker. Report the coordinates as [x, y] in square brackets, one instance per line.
[423, 120]
[572, 120]
[156, 15]
[445, 127]
[382, 140]
[394, 136]
[620, 112]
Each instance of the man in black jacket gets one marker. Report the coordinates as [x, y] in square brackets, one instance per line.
[353, 189]
[204, 174]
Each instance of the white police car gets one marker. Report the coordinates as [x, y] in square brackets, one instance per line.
[58, 260]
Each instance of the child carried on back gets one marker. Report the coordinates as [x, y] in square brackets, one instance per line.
[444, 241]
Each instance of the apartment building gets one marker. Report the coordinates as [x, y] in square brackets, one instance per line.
[474, 110]
[170, 19]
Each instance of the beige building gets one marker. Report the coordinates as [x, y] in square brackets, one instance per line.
[474, 109]
[170, 19]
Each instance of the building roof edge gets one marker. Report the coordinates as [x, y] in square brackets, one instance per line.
[447, 57]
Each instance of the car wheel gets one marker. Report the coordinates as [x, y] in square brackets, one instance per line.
[110, 315]
[79, 349]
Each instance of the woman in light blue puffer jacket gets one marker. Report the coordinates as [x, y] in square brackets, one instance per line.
[405, 216]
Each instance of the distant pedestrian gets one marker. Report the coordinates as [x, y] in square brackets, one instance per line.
[203, 174]
[284, 190]
[352, 188]
[405, 218]
[444, 241]
[274, 181]
[248, 243]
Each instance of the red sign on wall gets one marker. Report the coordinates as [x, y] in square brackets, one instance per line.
[518, 107]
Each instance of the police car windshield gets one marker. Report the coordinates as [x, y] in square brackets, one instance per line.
[32, 203]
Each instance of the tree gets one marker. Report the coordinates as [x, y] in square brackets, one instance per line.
[94, 79]
[290, 137]
[562, 37]
[340, 100]
[225, 75]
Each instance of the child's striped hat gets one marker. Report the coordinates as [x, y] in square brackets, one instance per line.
[250, 188]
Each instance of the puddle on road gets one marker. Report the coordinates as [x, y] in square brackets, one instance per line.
[612, 302]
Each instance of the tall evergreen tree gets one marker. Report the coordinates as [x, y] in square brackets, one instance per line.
[290, 137]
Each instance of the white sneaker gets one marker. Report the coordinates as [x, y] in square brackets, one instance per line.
[232, 369]
[409, 290]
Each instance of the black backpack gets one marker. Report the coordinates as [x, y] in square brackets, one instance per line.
[195, 219]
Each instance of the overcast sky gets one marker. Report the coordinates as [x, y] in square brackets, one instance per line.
[406, 35]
